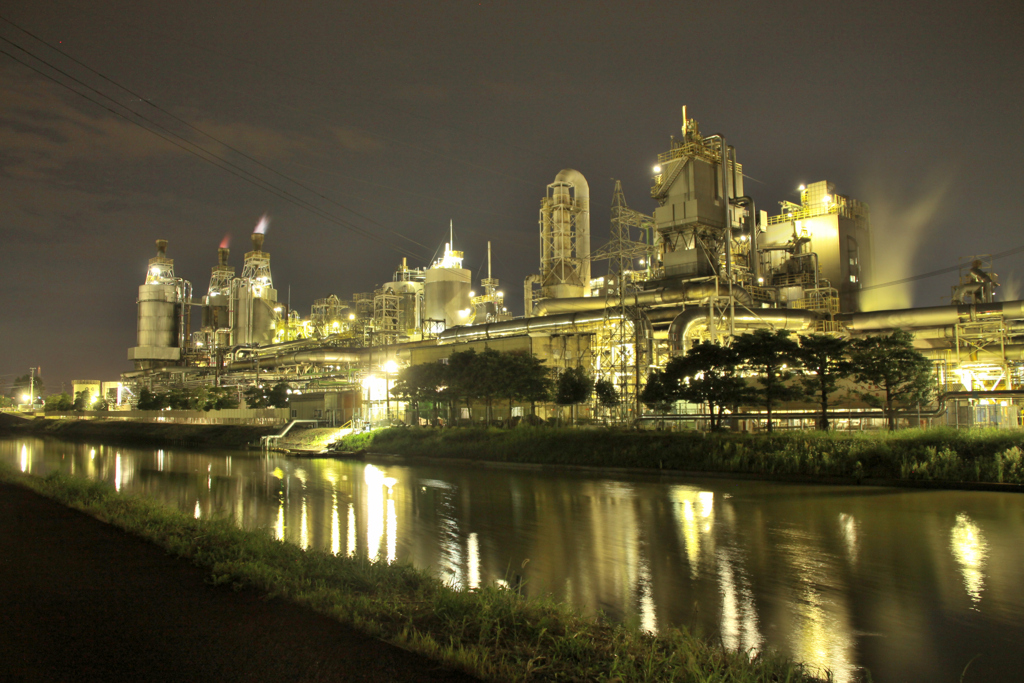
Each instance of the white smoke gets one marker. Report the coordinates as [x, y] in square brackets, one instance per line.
[902, 220]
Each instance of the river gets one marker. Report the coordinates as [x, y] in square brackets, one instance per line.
[913, 585]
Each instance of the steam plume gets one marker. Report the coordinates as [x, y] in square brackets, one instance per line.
[226, 242]
[261, 227]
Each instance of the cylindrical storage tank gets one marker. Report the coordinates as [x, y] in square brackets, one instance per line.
[158, 315]
[446, 296]
[408, 292]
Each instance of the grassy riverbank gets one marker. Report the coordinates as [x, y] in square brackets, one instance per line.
[493, 633]
[940, 455]
[129, 433]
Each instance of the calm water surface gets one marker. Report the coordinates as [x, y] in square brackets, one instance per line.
[912, 585]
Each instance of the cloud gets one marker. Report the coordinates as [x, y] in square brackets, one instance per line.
[47, 129]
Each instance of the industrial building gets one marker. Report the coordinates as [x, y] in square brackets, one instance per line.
[705, 264]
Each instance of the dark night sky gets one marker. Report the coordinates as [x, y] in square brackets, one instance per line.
[414, 113]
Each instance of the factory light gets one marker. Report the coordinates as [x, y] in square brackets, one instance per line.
[641, 262]
[760, 280]
[498, 293]
[24, 398]
[827, 198]
[351, 316]
[802, 187]
[390, 366]
[657, 169]
[472, 293]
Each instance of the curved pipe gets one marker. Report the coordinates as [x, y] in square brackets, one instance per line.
[779, 318]
[932, 316]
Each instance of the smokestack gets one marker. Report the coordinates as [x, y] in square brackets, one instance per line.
[222, 256]
[257, 241]
[161, 248]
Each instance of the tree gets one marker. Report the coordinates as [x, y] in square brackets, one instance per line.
[220, 398]
[148, 400]
[59, 402]
[490, 369]
[463, 375]
[278, 396]
[827, 358]
[256, 396]
[83, 400]
[890, 365]
[606, 393]
[422, 383]
[100, 404]
[707, 375]
[573, 387]
[524, 378]
[771, 354]
[657, 395]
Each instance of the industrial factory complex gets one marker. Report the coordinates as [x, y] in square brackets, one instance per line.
[706, 265]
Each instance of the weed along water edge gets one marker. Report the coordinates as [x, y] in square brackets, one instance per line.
[908, 584]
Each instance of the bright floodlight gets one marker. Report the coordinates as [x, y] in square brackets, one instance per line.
[827, 198]
[657, 169]
[390, 366]
[802, 187]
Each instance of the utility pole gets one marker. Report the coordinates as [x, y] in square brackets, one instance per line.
[31, 386]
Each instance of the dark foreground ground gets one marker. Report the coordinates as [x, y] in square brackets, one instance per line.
[84, 601]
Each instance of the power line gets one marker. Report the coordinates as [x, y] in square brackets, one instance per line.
[202, 132]
[205, 155]
[388, 107]
[941, 271]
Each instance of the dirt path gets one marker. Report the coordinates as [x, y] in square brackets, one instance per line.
[84, 601]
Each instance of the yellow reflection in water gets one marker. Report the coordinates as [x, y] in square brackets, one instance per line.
[279, 526]
[970, 551]
[335, 525]
[740, 629]
[848, 527]
[374, 479]
[198, 512]
[694, 512]
[648, 617]
[117, 475]
[351, 549]
[392, 530]
[24, 458]
[473, 550]
[304, 527]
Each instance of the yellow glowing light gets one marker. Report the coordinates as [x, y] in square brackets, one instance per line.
[657, 169]
[472, 293]
[24, 398]
[390, 366]
[802, 187]
[827, 198]
[351, 316]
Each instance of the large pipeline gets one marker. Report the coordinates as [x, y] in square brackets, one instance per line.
[318, 356]
[932, 316]
[779, 318]
[533, 325]
[672, 294]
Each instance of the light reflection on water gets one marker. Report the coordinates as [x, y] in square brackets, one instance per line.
[911, 584]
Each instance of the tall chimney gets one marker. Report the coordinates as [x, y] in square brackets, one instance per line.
[222, 256]
[161, 248]
[257, 241]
